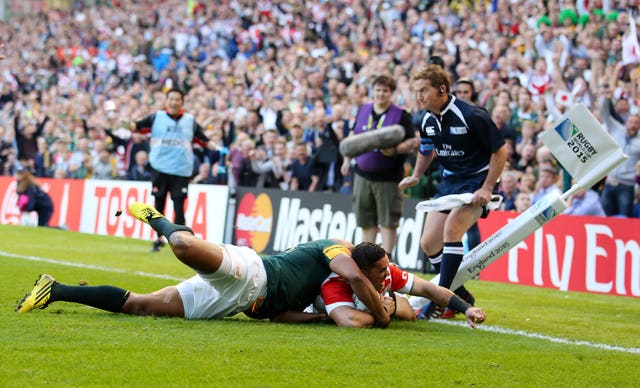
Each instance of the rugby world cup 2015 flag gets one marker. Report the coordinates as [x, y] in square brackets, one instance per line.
[586, 151]
[582, 147]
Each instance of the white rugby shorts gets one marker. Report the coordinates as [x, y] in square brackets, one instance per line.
[239, 281]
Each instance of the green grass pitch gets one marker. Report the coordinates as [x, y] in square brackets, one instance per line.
[533, 337]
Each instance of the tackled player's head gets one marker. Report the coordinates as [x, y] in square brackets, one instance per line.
[366, 254]
[373, 262]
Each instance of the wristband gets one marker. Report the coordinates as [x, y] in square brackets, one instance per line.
[457, 304]
[395, 304]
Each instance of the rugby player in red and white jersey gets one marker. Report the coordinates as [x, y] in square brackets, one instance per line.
[343, 306]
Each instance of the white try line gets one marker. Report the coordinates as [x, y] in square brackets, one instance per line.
[500, 330]
[90, 266]
[493, 329]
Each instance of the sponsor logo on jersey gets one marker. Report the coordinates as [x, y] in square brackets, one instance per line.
[458, 130]
[430, 131]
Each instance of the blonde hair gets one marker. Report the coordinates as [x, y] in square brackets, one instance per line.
[436, 76]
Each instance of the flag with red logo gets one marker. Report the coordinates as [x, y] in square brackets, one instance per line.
[564, 98]
[630, 45]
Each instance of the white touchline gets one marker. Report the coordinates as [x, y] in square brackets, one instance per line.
[90, 266]
[522, 333]
[494, 329]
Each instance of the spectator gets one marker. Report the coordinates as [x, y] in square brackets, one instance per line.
[203, 175]
[26, 137]
[522, 202]
[547, 183]
[527, 162]
[42, 161]
[528, 135]
[139, 171]
[585, 203]
[234, 158]
[527, 183]
[618, 194]
[246, 175]
[60, 157]
[6, 145]
[295, 136]
[508, 189]
[85, 170]
[303, 176]
[500, 116]
[328, 159]
[526, 110]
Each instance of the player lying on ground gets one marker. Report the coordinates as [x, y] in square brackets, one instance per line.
[344, 308]
[229, 280]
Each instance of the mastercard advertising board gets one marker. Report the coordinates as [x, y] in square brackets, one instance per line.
[271, 221]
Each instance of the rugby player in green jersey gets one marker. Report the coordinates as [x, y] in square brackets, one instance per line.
[229, 279]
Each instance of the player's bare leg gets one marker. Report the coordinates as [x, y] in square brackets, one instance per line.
[369, 234]
[388, 238]
[203, 256]
[432, 237]
[164, 302]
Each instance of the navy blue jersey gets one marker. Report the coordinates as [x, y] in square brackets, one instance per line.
[463, 137]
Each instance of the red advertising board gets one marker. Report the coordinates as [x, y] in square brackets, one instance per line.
[90, 206]
[65, 193]
[591, 254]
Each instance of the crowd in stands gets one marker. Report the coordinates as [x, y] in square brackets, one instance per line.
[277, 84]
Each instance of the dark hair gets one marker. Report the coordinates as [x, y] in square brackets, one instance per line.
[176, 90]
[467, 81]
[385, 80]
[436, 60]
[27, 181]
[366, 254]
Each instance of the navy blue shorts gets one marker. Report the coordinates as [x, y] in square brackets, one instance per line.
[459, 185]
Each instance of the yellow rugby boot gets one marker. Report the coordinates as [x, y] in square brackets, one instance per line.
[39, 297]
[144, 212]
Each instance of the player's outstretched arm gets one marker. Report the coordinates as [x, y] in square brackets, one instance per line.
[445, 297]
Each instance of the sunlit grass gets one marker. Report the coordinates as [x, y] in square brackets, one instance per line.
[73, 345]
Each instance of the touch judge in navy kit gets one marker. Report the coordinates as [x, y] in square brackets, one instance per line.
[472, 154]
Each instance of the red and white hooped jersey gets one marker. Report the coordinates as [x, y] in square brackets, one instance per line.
[336, 291]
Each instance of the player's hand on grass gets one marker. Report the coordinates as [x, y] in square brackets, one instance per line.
[475, 315]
